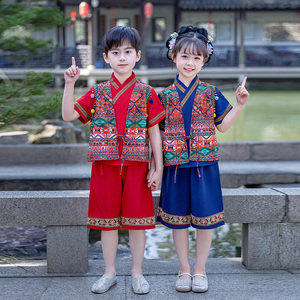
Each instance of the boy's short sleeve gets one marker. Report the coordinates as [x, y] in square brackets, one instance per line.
[156, 111]
[222, 107]
[84, 105]
[162, 122]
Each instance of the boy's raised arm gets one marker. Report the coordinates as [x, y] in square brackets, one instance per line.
[71, 75]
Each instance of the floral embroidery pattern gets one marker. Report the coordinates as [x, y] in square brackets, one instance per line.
[117, 222]
[107, 223]
[138, 222]
[190, 219]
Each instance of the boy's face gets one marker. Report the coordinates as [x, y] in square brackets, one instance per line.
[122, 59]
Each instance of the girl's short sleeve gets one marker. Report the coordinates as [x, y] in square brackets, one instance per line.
[84, 105]
[222, 107]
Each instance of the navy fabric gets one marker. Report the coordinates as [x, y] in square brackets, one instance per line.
[191, 195]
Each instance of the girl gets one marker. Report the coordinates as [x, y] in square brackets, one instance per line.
[191, 189]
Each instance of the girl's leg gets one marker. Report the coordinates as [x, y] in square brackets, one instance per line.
[203, 243]
[109, 242]
[181, 242]
[137, 241]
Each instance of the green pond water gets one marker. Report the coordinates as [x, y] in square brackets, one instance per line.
[267, 116]
[226, 242]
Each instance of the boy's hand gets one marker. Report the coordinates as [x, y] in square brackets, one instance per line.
[241, 93]
[72, 74]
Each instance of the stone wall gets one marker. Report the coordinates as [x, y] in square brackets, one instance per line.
[76, 153]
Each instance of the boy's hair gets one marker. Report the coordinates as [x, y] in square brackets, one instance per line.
[116, 36]
[189, 38]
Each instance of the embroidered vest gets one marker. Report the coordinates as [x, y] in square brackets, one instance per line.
[203, 140]
[104, 138]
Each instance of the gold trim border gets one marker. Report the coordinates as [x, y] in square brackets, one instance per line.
[117, 222]
[191, 219]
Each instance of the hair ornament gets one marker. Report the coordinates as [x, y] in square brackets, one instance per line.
[210, 48]
[172, 42]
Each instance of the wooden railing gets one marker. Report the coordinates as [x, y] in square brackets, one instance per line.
[224, 56]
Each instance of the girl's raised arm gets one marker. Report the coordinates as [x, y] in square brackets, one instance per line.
[242, 96]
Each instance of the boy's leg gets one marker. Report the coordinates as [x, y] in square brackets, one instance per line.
[203, 243]
[181, 242]
[109, 243]
[137, 241]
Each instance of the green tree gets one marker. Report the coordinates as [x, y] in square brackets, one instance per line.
[18, 20]
[21, 100]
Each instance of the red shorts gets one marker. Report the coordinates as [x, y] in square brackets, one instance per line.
[120, 199]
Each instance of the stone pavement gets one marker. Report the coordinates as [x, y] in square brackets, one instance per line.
[77, 176]
[228, 280]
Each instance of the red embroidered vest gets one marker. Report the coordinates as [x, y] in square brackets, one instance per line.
[203, 140]
[104, 138]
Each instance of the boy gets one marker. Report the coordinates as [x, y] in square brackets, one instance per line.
[123, 114]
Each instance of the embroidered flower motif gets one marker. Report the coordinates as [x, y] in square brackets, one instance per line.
[172, 42]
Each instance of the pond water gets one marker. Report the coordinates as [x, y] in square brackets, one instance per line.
[226, 242]
[267, 116]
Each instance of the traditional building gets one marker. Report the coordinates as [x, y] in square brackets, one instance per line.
[254, 34]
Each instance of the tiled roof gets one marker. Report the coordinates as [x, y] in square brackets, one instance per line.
[238, 4]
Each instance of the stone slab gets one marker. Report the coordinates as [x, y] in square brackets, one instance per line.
[229, 280]
[240, 151]
[253, 205]
[38, 208]
[67, 249]
[77, 153]
[271, 246]
[275, 151]
[293, 203]
[43, 154]
[77, 176]
[38, 268]
[14, 138]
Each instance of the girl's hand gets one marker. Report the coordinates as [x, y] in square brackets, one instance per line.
[241, 93]
[154, 179]
[72, 74]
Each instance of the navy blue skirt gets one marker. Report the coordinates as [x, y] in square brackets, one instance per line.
[191, 200]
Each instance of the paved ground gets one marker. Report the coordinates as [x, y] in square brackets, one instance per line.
[228, 280]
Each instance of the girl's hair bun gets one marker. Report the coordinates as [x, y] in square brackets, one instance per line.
[187, 29]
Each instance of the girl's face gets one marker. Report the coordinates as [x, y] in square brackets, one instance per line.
[188, 64]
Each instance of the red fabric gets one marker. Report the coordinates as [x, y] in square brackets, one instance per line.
[113, 195]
